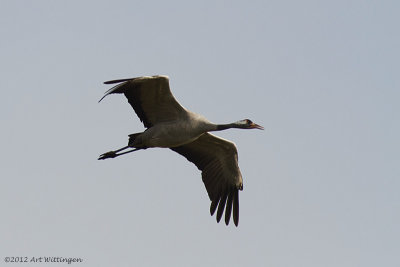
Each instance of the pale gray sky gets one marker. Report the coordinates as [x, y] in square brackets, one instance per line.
[321, 183]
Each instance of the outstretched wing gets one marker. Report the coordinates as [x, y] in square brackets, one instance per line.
[217, 158]
[150, 97]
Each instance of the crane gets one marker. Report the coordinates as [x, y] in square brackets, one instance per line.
[170, 125]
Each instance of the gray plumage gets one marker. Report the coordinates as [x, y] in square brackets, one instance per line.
[170, 125]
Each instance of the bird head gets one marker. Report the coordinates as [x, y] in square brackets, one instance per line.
[248, 124]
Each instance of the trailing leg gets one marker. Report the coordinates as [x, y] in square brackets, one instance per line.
[113, 154]
[132, 143]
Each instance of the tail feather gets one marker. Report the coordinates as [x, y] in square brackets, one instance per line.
[132, 138]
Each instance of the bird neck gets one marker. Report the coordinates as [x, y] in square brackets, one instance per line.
[221, 127]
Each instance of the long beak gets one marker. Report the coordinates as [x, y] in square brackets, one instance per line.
[256, 126]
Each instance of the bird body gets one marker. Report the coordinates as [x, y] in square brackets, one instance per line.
[175, 133]
[170, 125]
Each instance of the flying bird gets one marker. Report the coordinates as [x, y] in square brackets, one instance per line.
[170, 125]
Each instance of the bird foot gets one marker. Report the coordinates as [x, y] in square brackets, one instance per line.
[110, 154]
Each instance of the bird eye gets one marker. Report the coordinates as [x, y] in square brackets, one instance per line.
[249, 121]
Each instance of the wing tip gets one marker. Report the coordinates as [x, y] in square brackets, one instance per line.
[213, 206]
[119, 88]
[221, 207]
[228, 209]
[102, 98]
[118, 81]
[138, 79]
[227, 202]
[236, 207]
